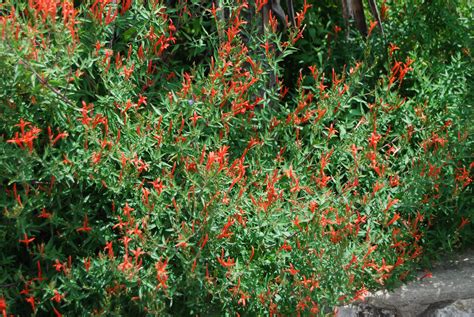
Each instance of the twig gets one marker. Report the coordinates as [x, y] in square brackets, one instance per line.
[45, 82]
[7, 285]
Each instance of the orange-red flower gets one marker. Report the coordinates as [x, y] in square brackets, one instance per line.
[3, 307]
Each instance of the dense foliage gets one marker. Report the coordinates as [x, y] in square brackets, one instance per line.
[183, 159]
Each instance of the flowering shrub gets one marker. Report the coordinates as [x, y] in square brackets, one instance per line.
[154, 162]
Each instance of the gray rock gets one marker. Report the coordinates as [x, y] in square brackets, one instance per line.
[448, 293]
[347, 311]
[459, 308]
[363, 310]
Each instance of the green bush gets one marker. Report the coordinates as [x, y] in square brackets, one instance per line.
[154, 162]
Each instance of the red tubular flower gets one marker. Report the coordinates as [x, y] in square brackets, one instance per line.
[59, 266]
[61, 135]
[135, 231]
[427, 274]
[22, 125]
[27, 241]
[109, 18]
[296, 222]
[374, 139]
[260, 4]
[464, 221]
[157, 185]
[393, 48]
[224, 232]
[3, 307]
[31, 301]
[462, 175]
[360, 294]
[292, 270]
[17, 140]
[394, 181]
[57, 297]
[56, 312]
[85, 227]
[252, 254]
[243, 298]
[204, 241]
[331, 130]
[40, 273]
[109, 249]
[181, 242]
[126, 4]
[228, 263]
[137, 253]
[390, 204]
[127, 209]
[161, 274]
[395, 218]
[26, 138]
[384, 267]
[285, 247]
[87, 264]
[372, 26]
[126, 264]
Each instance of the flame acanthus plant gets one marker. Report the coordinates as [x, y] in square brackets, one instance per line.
[157, 162]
